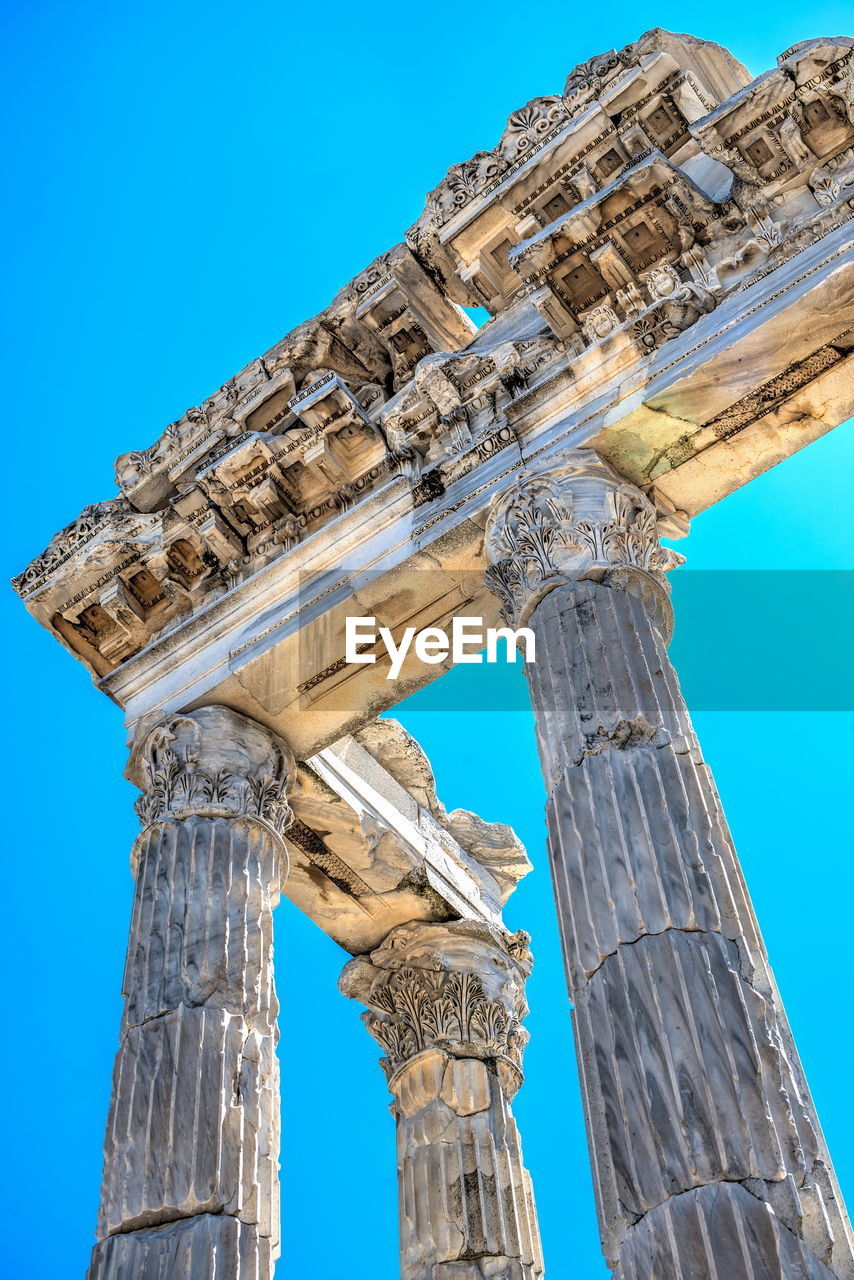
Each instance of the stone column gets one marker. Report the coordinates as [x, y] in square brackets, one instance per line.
[708, 1160]
[445, 1002]
[190, 1159]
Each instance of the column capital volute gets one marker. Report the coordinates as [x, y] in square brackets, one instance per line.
[210, 762]
[569, 519]
[457, 988]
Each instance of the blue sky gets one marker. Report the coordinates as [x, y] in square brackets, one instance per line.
[187, 183]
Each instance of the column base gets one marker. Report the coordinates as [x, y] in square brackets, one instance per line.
[207, 1247]
[714, 1232]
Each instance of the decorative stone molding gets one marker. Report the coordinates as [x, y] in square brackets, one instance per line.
[212, 762]
[458, 988]
[627, 236]
[574, 519]
[531, 127]
[613, 229]
[446, 1001]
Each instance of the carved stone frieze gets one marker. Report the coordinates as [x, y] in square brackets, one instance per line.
[662, 250]
[612, 225]
[573, 519]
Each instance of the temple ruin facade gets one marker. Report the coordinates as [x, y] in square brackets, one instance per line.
[664, 250]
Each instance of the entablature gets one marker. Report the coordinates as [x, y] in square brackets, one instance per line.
[556, 152]
[692, 302]
[372, 846]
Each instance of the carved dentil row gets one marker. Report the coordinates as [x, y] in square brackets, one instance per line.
[457, 987]
[212, 762]
[573, 518]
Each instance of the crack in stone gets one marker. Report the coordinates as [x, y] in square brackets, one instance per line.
[255, 1021]
[744, 1183]
[657, 933]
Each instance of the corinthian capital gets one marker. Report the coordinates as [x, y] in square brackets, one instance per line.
[571, 520]
[458, 988]
[211, 762]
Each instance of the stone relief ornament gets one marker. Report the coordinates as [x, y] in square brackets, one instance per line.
[465, 181]
[611, 205]
[530, 125]
[840, 93]
[394, 328]
[214, 763]
[456, 987]
[793, 143]
[600, 323]
[575, 519]
[676, 305]
[418, 1010]
[829, 181]
[589, 78]
[63, 544]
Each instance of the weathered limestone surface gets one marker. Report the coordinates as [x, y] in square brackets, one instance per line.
[446, 1002]
[699, 1119]
[193, 1129]
[664, 248]
[717, 1230]
[190, 1171]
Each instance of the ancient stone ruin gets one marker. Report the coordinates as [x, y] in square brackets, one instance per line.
[664, 250]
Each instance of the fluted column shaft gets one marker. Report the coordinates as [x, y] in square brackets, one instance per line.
[707, 1156]
[445, 1001]
[190, 1183]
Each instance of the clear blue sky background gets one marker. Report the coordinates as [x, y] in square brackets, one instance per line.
[187, 182]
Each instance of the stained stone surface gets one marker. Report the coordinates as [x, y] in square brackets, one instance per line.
[445, 1002]
[691, 1087]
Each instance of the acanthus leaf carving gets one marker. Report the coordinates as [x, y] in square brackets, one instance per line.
[458, 988]
[573, 519]
[211, 762]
